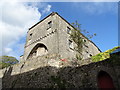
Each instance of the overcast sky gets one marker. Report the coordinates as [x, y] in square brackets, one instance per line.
[96, 17]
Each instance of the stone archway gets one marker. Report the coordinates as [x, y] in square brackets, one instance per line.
[105, 81]
[38, 50]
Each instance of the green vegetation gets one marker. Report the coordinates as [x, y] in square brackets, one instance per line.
[84, 32]
[6, 61]
[77, 37]
[103, 55]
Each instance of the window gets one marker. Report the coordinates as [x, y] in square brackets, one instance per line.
[30, 36]
[90, 55]
[49, 24]
[70, 44]
[84, 40]
[68, 30]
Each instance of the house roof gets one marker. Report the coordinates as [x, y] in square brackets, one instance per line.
[53, 13]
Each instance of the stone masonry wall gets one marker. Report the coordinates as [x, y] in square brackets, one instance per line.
[56, 39]
[56, 73]
[41, 34]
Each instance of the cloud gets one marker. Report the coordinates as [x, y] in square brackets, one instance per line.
[47, 9]
[16, 18]
[97, 8]
[8, 50]
[70, 0]
[44, 8]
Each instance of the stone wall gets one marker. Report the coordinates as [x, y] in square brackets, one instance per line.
[53, 72]
[43, 35]
[56, 39]
[63, 40]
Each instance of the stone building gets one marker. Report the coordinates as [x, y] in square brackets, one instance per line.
[52, 36]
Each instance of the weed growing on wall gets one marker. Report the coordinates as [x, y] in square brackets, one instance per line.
[77, 38]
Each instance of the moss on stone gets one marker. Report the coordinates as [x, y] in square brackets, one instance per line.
[103, 55]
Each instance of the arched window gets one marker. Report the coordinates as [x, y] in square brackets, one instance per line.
[105, 81]
[38, 50]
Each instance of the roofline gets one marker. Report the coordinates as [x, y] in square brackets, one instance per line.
[95, 45]
[80, 33]
[53, 13]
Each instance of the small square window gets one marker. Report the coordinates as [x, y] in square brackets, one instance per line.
[68, 30]
[49, 24]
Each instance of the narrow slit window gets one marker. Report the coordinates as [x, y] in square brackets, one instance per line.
[49, 24]
[30, 37]
[84, 40]
[70, 44]
[68, 30]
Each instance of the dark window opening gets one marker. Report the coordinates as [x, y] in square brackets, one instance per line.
[68, 30]
[49, 24]
[84, 40]
[30, 37]
[70, 44]
[90, 55]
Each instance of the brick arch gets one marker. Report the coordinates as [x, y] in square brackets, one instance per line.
[38, 50]
[104, 80]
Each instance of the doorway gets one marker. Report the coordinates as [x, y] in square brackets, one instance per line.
[105, 81]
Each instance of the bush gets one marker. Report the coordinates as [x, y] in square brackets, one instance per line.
[6, 61]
